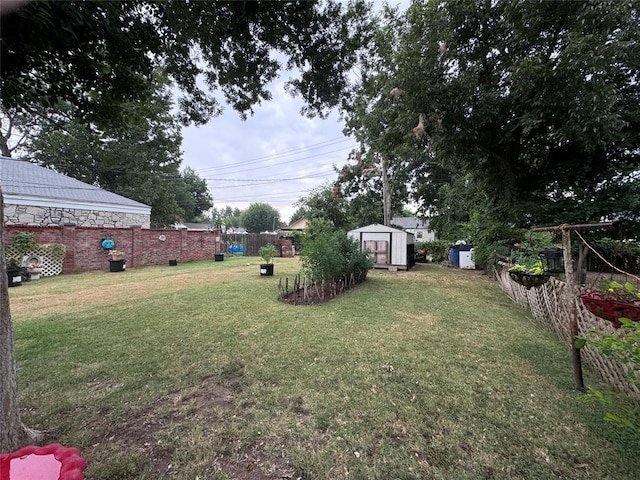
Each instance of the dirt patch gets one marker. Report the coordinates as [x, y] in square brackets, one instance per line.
[146, 433]
[317, 293]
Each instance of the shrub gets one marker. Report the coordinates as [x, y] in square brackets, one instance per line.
[267, 252]
[438, 250]
[330, 255]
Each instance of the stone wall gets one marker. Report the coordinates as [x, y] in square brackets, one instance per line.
[46, 216]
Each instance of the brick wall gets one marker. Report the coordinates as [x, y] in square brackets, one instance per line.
[141, 246]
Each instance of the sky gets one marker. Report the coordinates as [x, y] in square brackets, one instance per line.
[276, 156]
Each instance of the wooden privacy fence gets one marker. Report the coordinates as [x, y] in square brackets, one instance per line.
[552, 304]
[246, 244]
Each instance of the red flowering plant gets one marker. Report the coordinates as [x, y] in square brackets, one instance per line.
[614, 301]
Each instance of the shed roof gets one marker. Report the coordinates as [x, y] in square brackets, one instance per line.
[376, 227]
[25, 183]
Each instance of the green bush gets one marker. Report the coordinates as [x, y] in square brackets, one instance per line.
[330, 255]
[438, 250]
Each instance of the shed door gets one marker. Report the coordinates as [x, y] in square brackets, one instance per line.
[379, 250]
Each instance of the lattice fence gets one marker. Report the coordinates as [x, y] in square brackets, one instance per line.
[51, 265]
[552, 304]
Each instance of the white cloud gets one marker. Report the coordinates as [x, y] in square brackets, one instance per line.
[276, 143]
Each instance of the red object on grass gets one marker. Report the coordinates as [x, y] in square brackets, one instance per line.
[51, 462]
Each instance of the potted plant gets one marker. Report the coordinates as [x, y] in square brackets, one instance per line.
[14, 272]
[529, 273]
[614, 301]
[117, 262]
[267, 252]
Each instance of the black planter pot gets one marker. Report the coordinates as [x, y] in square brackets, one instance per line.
[266, 269]
[117, 265]
[14, 275]
[218, 257]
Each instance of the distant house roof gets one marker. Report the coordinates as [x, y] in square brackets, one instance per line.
[409, 222]
[299, 224]
[198, 226]
[25, 183]
[237, 230]
[377, 227]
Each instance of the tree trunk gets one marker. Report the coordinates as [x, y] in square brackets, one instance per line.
[386, 194]
[582, 260]
[13, 434]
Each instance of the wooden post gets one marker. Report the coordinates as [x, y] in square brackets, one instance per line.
[573, 313]
[571, 287]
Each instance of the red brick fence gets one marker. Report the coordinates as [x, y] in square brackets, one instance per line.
[140, 246]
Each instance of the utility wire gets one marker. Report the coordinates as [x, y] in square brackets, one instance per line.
[287, 153]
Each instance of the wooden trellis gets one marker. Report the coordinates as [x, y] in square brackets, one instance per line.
[556, 305]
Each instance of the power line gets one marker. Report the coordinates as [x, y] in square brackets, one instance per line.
[288, 153]
[275, 164]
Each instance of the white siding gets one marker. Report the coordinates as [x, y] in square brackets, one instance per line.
[398, 241]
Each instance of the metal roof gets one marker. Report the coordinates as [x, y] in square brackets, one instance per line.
[26, 183]
[409, 222]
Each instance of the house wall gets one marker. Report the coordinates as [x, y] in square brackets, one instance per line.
[427, 235]
[141, 246]
[32, 215]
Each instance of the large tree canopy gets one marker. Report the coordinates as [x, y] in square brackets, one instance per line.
[524, 112]
[537, 101]
[260, 217]
[96, 55]
[140, 160]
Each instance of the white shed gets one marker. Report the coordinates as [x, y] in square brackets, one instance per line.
[390, 248]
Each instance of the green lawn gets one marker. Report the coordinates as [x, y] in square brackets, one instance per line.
[198, 372]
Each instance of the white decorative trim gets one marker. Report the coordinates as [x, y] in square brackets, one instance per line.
[10, 199]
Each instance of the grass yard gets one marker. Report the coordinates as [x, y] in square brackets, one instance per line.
[198, 372]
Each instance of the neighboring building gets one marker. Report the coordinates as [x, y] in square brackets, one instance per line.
[297, 226]
[389, 247]
[34, 195]
[420, 228]
[194, 226]
[236, 231]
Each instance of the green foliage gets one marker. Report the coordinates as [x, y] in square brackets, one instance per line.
[436, 249]
[623, 347]
[23, 242]
[139, 160]
[528, 249]
[196, 198]
[528, 265]
[623, 254]
[329, 255]
[616, 289]
[260, 217]
[234, 43]
[267, 252]
[487, 77]
[324, 203]
[58, 250]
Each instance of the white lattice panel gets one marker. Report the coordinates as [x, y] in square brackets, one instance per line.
[50, 265]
